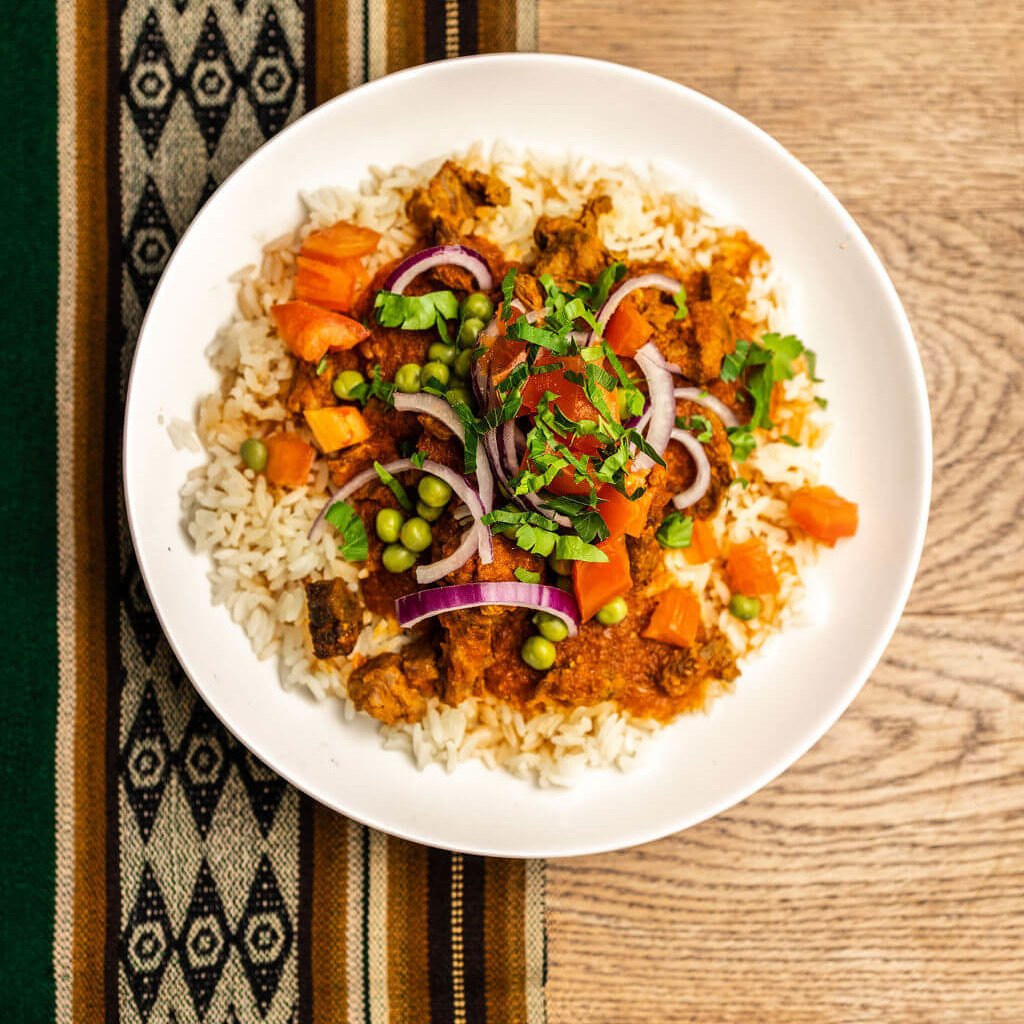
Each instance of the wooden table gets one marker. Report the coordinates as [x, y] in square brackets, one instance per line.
[881, 879]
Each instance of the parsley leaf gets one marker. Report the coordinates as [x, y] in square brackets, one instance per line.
[354, 546]
[732, 364]
[525, 576]
[508, 285]
[822, 402]
[321, 366]
[676, 531]
[680, 300]
[415, 312]
[418, 458]
[396, 488]
[376, 388]
[742, 440]
[812, 365]
[596, 294]
[573, 549]
[701, 423]
[741, 480]
[791, 441]
[536, 540]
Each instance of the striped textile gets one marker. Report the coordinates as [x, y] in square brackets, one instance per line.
[189, 883]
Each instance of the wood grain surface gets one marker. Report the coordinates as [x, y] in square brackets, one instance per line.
[881, 879]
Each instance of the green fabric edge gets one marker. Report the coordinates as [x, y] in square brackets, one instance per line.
[28, 588]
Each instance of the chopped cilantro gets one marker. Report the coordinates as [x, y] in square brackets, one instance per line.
[574, 549]
[701, 423]
[742, 440]
[525, 576]
[508, 285]
[812, 365]
[354, 546]
[680, 300]
[396, 488]
[792, 441]
[822, 402]
[321, 366]
[676, 531]
[596, 294]
[415, 312]
[741, 480]
[376, 388]
[418, 458]
[732, 364]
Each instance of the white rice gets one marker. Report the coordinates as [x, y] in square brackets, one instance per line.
[256, 538]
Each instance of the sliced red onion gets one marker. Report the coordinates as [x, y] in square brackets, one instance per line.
[432, 405]
[662, 399]
[414, 608]
[668, 284]
[440, 256]
[507, 447]
[699, 487]
[717, 406]
[480, 536]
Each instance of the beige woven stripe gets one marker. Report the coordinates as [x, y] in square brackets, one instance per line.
[451, 28]
[533, 924]
[63, 931]
[356, 69]
[526, 24]
[378, 39]
[377, 930]
[458, 941]
[354, 921]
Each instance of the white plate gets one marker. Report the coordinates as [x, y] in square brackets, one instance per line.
[841, 303]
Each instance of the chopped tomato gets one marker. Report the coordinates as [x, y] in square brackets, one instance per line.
[597, 583]
[331, 285]
[675, 618]
[823, 514]
[340, 241]
[337, 426]
[310, 331]
[622, 514]
[289, 460]
[749, 569]
[703, 545]
[627, 331]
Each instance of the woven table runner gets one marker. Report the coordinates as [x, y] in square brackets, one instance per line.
[190, 883]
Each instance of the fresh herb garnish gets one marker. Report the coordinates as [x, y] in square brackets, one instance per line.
[321, 366]
[384, 390]
[791, 441]
[508, 285]
[396, 488]
[742, 440]
[822, 402]
[676, 531]
[574, 549]
[418, 458]
[812, 365]
[701, 423]
[525, 575]
[680, 300]
[732, 364]
[354, 546]
[741, 480]
[596, 294]
[415, 312]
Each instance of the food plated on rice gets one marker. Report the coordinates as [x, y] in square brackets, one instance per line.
[514, 455]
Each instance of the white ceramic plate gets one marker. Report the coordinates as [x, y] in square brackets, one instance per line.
[841, 303]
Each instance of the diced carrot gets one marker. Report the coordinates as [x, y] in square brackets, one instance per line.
[310, 331]
[331, 285]
[622, 514]
[675, 618]
[289, 460]
[703, 545]
[340, 241]
[749, 569]
[597, 583]
[627, 331]
[823, 514]
[337, 426]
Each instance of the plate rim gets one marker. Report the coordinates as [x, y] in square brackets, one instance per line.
[867, 661]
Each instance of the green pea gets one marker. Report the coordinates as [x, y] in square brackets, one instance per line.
[538, 653]
[459, 395]
[433, 491]
[388, 524]
[463, 363]
[551, 627]
[397, 558]
[613, 612]
[744, 608]
[477, 305]
[346, 382]
[560, 566]
[428, 512]
[416, 535]
[407, 378]
[436, 372]
[439, 352]
[564, 583]
[254, 454]
[470, 331]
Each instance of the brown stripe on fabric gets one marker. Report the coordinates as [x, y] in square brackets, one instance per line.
[405, 34]
[469, 34]
[328, 948]
[328, 48]
[90, 600]
[474, 870]
[408, 963]
[504, 941]
[496, 26]
[434, 23]
[439, 935]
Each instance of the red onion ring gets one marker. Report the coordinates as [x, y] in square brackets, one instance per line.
[440, 256]
[668, 284]
[717, 406]
[431, 405]
[699, 487]
[662, 399]
[414, 608]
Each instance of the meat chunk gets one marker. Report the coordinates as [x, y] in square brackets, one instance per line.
[312, 390]
[392, 347]
[443, 207]
[646, 557]
[467, 651]
[572, 250]
[388, 429]
[682, 470]
[394, 687]
[335, 617]
[688, 670]
[527, 290]
[459, 279]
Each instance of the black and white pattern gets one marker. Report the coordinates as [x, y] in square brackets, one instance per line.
[208, 851]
